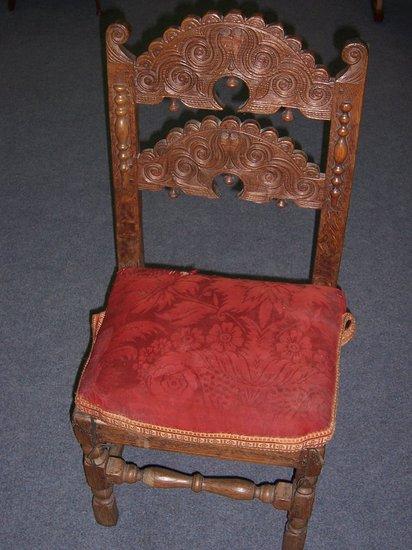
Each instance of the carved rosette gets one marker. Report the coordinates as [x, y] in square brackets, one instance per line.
[186, 63]
[270, 168]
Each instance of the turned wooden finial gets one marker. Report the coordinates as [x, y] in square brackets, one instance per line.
[287, 115]
[174, 105]
[340, 152]
[232, 82]
[229, 179]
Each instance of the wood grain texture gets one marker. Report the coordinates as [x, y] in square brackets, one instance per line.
[270, 167]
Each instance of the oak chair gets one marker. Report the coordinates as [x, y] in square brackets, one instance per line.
[210, 365]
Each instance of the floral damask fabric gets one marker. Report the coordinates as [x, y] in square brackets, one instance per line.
[217, 355]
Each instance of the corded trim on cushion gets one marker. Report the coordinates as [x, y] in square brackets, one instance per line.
[315, 439]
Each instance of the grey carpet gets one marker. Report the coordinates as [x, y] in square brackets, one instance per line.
[57, 259]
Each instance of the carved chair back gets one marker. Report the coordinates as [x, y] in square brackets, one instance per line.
[184, 65]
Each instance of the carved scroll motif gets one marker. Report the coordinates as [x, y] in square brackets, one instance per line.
[186, 63]
[117, 35]
[355, 54]
[269, 167]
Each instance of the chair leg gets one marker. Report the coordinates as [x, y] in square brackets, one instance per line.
[95, 457]
[116, 450]
[298, 517]
[104, 502]
[378, 10]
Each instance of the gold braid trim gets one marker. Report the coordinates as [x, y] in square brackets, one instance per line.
[311, 440]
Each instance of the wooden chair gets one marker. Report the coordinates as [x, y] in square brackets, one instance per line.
[210, 365]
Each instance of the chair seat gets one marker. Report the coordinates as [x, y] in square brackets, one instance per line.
[216, 360]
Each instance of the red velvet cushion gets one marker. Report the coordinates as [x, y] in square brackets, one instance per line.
[183, 352]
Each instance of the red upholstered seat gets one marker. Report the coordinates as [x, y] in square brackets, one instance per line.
[216, 360]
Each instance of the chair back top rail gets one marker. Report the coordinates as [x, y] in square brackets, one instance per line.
[185, 64]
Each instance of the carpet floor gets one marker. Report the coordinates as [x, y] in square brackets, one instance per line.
[58, 257]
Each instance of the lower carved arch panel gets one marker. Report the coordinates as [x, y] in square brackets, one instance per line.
[269, 166]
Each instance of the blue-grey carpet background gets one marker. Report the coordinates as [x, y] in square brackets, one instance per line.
[58, 257]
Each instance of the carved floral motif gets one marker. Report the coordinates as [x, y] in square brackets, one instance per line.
[269, 167]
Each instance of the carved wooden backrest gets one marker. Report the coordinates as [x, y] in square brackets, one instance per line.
[185, 64]
[270, 167]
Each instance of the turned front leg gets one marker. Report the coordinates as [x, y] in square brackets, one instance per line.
[303, 497]
[299, 514]
[95, 458]
[104, 503]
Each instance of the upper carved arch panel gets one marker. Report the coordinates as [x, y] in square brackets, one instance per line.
[187, 61]
[269, 166]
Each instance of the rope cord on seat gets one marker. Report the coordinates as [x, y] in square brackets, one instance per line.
[96, 323]
[348, 328]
